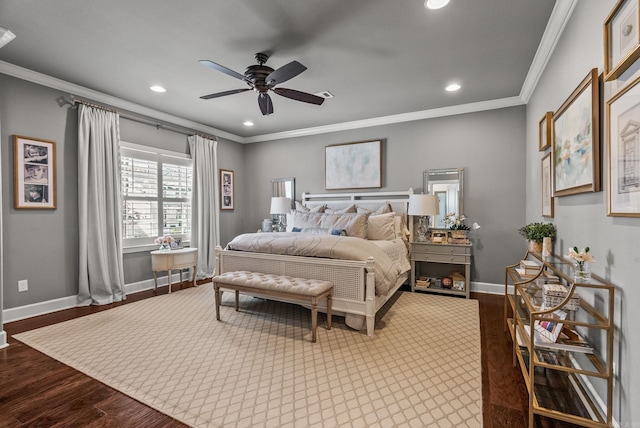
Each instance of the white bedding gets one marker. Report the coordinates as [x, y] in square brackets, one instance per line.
[390, 257]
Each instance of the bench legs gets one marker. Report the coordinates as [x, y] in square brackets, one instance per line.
[314, 309]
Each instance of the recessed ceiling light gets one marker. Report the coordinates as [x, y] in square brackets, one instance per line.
[247, 123]
[157, 88]
[452, 87]
[435, 4]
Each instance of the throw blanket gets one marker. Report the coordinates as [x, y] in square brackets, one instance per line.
[326, 246]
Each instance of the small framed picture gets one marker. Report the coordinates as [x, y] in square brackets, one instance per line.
[34, 172]
[439, 236]
[621, 38]
[177, 243]
[226, 189]
[544, 131]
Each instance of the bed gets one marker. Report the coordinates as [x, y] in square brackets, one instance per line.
[365, 270]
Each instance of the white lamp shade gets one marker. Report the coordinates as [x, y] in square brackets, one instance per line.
[423, 205]
[280, 205]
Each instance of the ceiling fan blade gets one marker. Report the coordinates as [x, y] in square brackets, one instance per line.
[265, 103]
[222, 68]
[222, 94]
[299, 96]
[285, 73]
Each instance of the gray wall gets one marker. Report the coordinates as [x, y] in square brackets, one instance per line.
[42, 245]
[581, 220]
[489, 145]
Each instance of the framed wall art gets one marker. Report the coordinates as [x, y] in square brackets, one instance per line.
[226, 189]
[353, 165]
[547, 198]
[621, 38]
[623, 148]
[177, 243]
[34, 172]
[544, 131]
[576, 142]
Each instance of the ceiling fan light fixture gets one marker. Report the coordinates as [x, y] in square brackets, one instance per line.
[157, 88]
[435, 4]
[5, 36]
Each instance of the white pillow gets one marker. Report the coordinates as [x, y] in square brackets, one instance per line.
[386, 208]
[382, 227]
[302, 208]
[304, 220]
[346, 210]
[354, 224]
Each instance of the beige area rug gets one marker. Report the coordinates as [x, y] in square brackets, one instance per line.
[258, 367]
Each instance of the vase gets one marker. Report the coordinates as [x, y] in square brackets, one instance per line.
[165, 247]
[582, 272]
[535, 247]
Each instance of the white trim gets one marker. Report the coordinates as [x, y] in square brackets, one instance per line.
[118, 103]
[49, 306]
[489, 288]
[559, 17]
[387, 120]
[3, 339]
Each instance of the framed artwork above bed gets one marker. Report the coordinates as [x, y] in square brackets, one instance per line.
[353, 165]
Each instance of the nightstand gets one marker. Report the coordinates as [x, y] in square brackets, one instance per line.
[430, 260]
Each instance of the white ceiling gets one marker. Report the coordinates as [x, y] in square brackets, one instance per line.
[377, 57]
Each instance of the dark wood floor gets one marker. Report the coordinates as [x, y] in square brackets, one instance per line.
[38, 391]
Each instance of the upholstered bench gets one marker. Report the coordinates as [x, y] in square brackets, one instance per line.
[298, 289]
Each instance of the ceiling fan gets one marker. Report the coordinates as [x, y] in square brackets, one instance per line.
[262, 79]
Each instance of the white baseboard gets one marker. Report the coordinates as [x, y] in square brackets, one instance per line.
[42, 308]
[3, 339]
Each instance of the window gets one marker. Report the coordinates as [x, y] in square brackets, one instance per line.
[156, 194]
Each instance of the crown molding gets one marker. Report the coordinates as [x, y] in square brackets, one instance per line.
[387, 120]
[560, 15]
[111, 101]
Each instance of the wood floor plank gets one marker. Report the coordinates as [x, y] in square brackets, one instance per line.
[36, 390]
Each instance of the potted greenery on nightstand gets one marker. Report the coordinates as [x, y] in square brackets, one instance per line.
[536, 232]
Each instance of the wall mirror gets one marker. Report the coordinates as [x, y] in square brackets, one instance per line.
[447, 185]
[285, 187]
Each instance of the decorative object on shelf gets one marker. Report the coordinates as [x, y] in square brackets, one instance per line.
[439, 236]
[280, 206]
[458, 229]
[177, 243]
[546, 246]
[165, 242]
[582, 270]
[535, 234]
[576, 141]
[267, 225]
[423, 205]
[34, 171]
[623, 117]
[353, 165]
[621, 39]
[554, 294]
[226, 189]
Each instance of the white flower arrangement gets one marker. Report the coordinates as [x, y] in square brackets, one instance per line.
[164, 240]
[580, 256]
[454, 222]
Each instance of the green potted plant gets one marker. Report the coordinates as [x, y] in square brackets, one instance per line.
[535, 234]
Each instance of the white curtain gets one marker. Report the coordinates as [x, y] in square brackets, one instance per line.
[101, 274]
[205, 230]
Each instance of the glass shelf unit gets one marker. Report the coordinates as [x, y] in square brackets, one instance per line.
[574, 384]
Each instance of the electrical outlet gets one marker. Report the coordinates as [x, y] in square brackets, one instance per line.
[23, 285]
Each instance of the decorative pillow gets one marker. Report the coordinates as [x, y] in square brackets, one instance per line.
[381, 227]
[320, 231]
[354, 224]
[346, 210]
[386, 208]
[308, 219]
[302, 208]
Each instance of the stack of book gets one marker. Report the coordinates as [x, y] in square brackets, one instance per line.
[423, 282]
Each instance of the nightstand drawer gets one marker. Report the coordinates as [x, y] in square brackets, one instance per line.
[441, 249]
[440, 258]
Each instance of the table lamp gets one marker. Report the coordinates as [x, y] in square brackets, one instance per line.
[280, 206]
[423, 205]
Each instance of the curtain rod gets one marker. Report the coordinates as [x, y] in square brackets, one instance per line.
[142, 119]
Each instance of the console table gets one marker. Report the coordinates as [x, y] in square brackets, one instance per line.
[175, 259]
